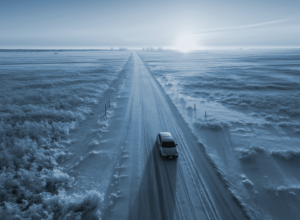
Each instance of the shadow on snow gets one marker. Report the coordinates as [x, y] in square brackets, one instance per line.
[156, 195]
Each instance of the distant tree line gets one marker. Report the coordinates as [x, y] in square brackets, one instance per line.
[153, 49]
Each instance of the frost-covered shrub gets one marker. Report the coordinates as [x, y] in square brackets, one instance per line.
[59, 206]
[211, 124]
[250, 153]
[246, 181]
[275, 118]
[297, 130]
[243, 105]
[39, 106]
[285, 124]
[247, 154]
[295, 126]
[217, 81]
[293, 191]
[287, 154]
[275, 103]
[279, 103]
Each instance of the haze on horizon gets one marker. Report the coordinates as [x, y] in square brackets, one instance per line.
[187, 24]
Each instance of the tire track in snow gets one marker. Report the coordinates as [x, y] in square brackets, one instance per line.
[186, 205]
[199, 185]
[109, 203]
[158, 189]
[170, 121]
[210, 188]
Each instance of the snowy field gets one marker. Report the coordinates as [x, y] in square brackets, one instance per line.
[244, 106]
[62, 158]
[44, 96]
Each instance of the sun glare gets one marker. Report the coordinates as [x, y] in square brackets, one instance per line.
[186, 43]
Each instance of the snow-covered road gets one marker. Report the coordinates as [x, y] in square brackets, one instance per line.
[143, 186]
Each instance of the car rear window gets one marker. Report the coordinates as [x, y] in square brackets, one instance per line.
[168, 144]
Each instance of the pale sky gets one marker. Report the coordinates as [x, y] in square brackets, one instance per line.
[135, 24]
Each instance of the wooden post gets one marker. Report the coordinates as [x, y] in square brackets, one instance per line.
[194, 106]
[205, 113]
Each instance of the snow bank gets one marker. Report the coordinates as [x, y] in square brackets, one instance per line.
[225, 180]
[211, 124]
[284, 190]
[250, 153]
[286, 154]
[39, 106]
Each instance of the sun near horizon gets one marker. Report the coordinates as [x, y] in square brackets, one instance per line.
[186, 43]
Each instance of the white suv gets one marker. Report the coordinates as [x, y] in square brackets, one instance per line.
[167, 146]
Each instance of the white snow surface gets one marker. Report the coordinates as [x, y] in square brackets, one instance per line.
[234, 114]
[116, 155]
[244, 106]
[144, 186]
[44, 96]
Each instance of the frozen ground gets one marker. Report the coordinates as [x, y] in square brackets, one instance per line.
[251, 130]
[45, 96]
[61, 157]
[143, 186]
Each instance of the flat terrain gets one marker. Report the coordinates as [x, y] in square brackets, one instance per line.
[61, 155]
[146, 186]
[251, 128]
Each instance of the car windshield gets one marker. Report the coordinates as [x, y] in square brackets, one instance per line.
[168, 144]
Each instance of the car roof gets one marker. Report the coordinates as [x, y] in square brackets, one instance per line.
[166, 136]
